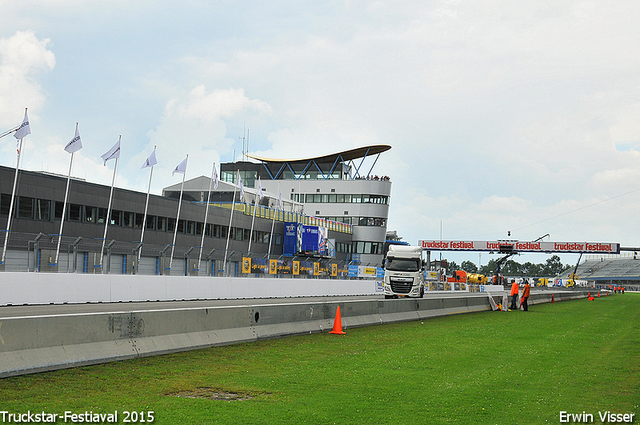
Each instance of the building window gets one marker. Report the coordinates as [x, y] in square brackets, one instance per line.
[191, 227]
[228, 176]
[102, 215]
[5, 201]
[116, 218]
[75, 212]
[90, 214]
[162, 224]
[43, 209]
[25, 207]
[129, 219]
[152, 221]
[139, 218]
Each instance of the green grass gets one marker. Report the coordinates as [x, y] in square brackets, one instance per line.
[481, 368]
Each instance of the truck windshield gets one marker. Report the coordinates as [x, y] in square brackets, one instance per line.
[402, 264]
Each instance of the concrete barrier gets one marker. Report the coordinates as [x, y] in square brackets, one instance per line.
[57, 288]
[42, 343]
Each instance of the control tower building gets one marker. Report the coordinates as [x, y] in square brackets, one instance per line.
[334, 187]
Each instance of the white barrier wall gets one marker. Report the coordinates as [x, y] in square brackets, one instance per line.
[46, 288]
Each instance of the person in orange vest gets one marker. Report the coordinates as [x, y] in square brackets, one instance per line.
[525, 295]
[514, 295]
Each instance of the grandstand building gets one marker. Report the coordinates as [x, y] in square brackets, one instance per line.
[38, 210]
[603, 271]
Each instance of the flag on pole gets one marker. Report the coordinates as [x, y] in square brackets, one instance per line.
[180, 168]
[260, 194]
[151, 161]
[279, 199]
[112, 153]
[241, 187]
[75, 144]
[24, 128]
[215, 177]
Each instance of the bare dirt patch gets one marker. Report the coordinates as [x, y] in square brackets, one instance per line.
[214, 394]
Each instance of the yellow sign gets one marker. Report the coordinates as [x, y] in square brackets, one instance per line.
[246, 265]
[273, 266]
[334, 270]
[296, 267]
[316, 269]
[370, 270]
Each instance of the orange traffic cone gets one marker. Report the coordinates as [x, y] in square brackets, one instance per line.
[553, 298]
[337, 324]
[598, 294]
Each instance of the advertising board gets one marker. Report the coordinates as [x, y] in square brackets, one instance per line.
[522, 246]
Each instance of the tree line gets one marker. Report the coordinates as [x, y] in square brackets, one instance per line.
[552, 267]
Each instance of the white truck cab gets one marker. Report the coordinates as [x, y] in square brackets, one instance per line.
[404, 272]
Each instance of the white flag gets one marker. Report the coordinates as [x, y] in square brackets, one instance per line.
[215, 177]
[151, 161]
[24, 128]
[75, 144]
[112, 153]
[260, 194]
[241, 186]
[279, 199]
[182, 167]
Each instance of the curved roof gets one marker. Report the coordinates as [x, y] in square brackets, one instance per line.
[345, 155]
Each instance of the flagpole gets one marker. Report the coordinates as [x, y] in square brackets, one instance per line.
[206, 213]
[108, 218]
[175, 231]
[253, 219]
[13, 195]
[233, 208]
[20, 133]
[64, 206]
[273, 222]
[146, 206]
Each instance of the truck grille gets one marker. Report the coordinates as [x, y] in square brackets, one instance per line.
[401, 287]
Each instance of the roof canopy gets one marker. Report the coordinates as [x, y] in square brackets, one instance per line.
[347, 155]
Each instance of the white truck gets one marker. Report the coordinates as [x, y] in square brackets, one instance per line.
[404, 272]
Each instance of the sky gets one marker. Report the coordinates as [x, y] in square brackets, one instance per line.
[503, 116]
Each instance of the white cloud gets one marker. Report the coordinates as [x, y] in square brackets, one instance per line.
[195, 123]
[22, 57]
